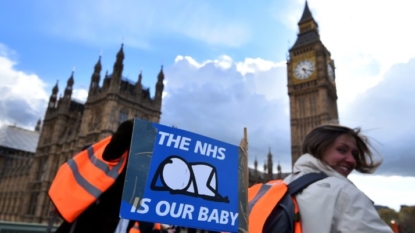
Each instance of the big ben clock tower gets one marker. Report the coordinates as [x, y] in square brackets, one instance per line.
[311, 83]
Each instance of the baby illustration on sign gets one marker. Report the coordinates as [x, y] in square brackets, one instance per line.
[193, 179]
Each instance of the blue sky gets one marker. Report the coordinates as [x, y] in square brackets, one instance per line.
[225, 68]
[53, 37]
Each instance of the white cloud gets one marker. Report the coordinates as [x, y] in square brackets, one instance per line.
[190, 60]
[267, 82]
[220, 97]
[386, 114]
[251, 65]
[264, 77]
[377, 29]
[80, 95]
[365, 38]
[248, 94]
[23, 98]
[392, 191]
[217, 101]
[6, 52]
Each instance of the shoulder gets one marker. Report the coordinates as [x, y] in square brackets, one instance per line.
[344, 195]
[338, 183]
[331, 186]
[355, 212]
[341, 187]
[333, 190]
[351, 194]
[329, 183]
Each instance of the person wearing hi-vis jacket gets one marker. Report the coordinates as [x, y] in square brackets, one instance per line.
[83, 207]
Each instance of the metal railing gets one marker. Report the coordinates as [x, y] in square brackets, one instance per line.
[20, 227]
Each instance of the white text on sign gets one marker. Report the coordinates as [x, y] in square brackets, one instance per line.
[185, 143]
[185, 211]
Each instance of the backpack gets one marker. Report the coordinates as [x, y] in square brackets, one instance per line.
[272, 207]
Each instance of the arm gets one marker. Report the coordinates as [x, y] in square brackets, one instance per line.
[120, 141]
[357, 214]
[146, 227]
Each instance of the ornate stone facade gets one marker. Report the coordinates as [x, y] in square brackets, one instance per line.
[17, 150]
[68, 126]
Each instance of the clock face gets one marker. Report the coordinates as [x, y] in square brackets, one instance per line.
[304, 69]
[330, 72]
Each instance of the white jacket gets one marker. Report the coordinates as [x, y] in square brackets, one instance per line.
[334, 204]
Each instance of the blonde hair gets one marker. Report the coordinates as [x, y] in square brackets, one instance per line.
[322, 137]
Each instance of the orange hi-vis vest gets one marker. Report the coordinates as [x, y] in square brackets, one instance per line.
[157, 226]
[136, 227]
[80, 181]
[272, 207]
[395, 227]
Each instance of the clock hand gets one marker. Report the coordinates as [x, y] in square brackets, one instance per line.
[308, 71]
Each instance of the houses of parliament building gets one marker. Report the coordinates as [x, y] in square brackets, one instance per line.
[29, 159]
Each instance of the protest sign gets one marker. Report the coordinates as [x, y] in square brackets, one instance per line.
[181, 178]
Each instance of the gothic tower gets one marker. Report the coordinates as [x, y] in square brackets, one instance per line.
[116, 101]
[270, 165]
[256, 170]
[311, 83]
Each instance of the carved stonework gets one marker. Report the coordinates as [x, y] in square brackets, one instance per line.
[69, 126]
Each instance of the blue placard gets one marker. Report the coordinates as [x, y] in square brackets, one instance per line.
[181, 178]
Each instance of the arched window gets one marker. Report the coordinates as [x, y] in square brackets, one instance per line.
[123, 116]
[145, 117]
[97, 118]
[301, 106]
[313, 106]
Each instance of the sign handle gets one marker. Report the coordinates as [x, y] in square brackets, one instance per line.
[243, 184]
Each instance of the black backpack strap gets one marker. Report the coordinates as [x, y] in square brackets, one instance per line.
[302, 182]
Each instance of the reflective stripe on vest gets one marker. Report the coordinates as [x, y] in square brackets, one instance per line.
[262, 198]
[81, 180]
[135, 228]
